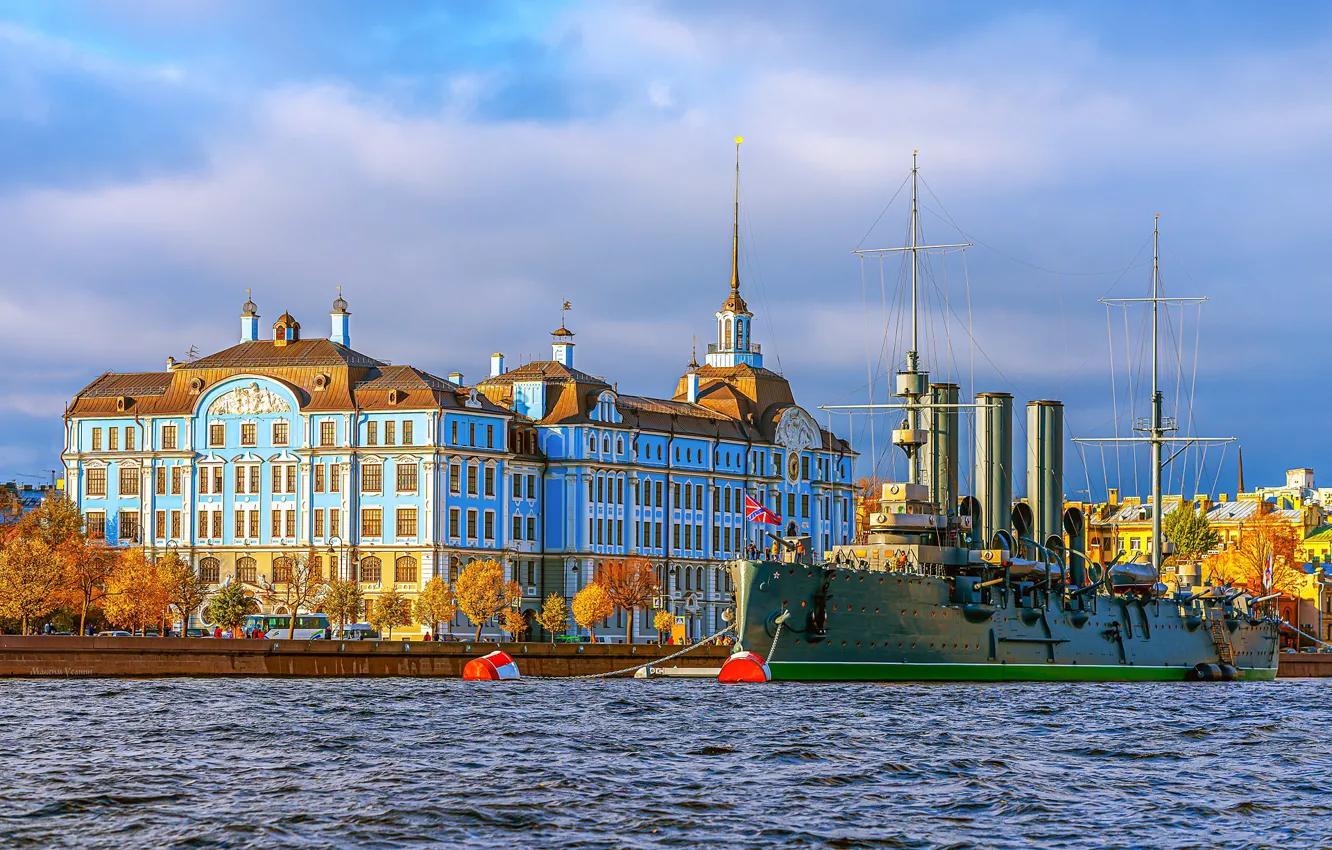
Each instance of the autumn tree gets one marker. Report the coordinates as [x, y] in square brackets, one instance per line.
[32, 580]
[390, 611]
[435, 604]
[136, 595]
[230, 606]
[1191, 533]
[591, 605]
[1266, 537]
[630, 584]
[88, 566]
[55, 521]
[554, 616]
[298, 585]
[662, 621]
[483, 593]
[186, 591]
[344, 601]
[514, 623]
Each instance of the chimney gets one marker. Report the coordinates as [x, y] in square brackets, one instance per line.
[1112, 495]
[691, 382]
[496, 365]
[456, 378]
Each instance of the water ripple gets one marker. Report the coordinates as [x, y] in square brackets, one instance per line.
[422, 763]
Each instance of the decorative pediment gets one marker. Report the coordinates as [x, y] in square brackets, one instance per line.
[212, 460]
[249, 400]
[473, 398]
[285, 456]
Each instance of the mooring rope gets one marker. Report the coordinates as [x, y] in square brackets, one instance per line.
[636, 668]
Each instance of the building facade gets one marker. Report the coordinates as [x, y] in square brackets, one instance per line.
[285, 445]
[665, 478]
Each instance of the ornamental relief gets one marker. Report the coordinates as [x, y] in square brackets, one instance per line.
[796, 432]
[249, 400]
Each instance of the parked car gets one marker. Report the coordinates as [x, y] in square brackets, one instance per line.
[114, 634]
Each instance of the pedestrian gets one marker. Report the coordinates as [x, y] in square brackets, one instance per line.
[217, 632]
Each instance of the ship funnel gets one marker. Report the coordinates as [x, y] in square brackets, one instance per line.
[939, 455]
[994, 463]
[1045, 469]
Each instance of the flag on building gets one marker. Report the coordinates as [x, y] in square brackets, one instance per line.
[755, 512]
[1267, 575]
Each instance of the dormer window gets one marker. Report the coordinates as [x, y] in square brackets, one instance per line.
[286, 329]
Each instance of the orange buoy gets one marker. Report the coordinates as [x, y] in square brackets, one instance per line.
[491, 668]
[744, 667]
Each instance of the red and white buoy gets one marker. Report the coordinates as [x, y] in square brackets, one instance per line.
[744, 667]
[491, 668]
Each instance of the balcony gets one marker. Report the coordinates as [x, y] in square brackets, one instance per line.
[752, 348]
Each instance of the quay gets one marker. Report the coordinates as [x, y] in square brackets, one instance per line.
[1304, 665]
[92, 657]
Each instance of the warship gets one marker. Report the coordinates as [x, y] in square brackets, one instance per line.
[943, 587]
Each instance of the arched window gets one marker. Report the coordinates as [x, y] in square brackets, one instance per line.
[698, 575]
[247, 569]
[605, 444]
[619, 445]
[726, 335]
[282, 570]
[372, 569]
[405, 570]
[210, 570]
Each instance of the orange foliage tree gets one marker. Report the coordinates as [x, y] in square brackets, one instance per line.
[1262, 538]
[630, 584]
[88, 566]
[136, 595]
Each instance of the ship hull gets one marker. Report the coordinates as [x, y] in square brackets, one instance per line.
[893, 627]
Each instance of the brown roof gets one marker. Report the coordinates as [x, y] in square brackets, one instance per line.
[542, 370]
[321, 374]
[133, 384]
[300, 352]
[405, 378]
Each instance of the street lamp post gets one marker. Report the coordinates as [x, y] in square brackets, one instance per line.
[341, 550]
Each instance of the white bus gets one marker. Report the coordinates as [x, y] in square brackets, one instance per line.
[275, 626]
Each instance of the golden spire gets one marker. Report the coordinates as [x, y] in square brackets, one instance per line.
[735, 303]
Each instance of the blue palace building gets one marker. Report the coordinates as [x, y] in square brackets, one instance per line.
[390, 475]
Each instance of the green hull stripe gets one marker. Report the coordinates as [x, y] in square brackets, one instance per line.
[893, 671]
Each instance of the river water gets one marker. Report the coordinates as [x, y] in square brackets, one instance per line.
[283, 763]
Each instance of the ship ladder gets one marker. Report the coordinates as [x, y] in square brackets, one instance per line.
[1221, 638]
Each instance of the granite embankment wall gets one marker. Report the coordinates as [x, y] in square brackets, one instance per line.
[1300, 665]
[92, 657]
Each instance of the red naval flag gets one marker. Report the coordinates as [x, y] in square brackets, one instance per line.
[754, 512]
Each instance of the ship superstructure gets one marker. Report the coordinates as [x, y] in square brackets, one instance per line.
[946, 587]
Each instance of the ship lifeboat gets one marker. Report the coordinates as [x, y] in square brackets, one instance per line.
[491, 668]
[744, 667]
[1133, 576]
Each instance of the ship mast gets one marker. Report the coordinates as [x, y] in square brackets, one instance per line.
[912, 383]
[1158, 428]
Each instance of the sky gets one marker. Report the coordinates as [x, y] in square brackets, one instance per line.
[461, 169]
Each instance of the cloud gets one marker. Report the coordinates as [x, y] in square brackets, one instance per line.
[457, 224]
